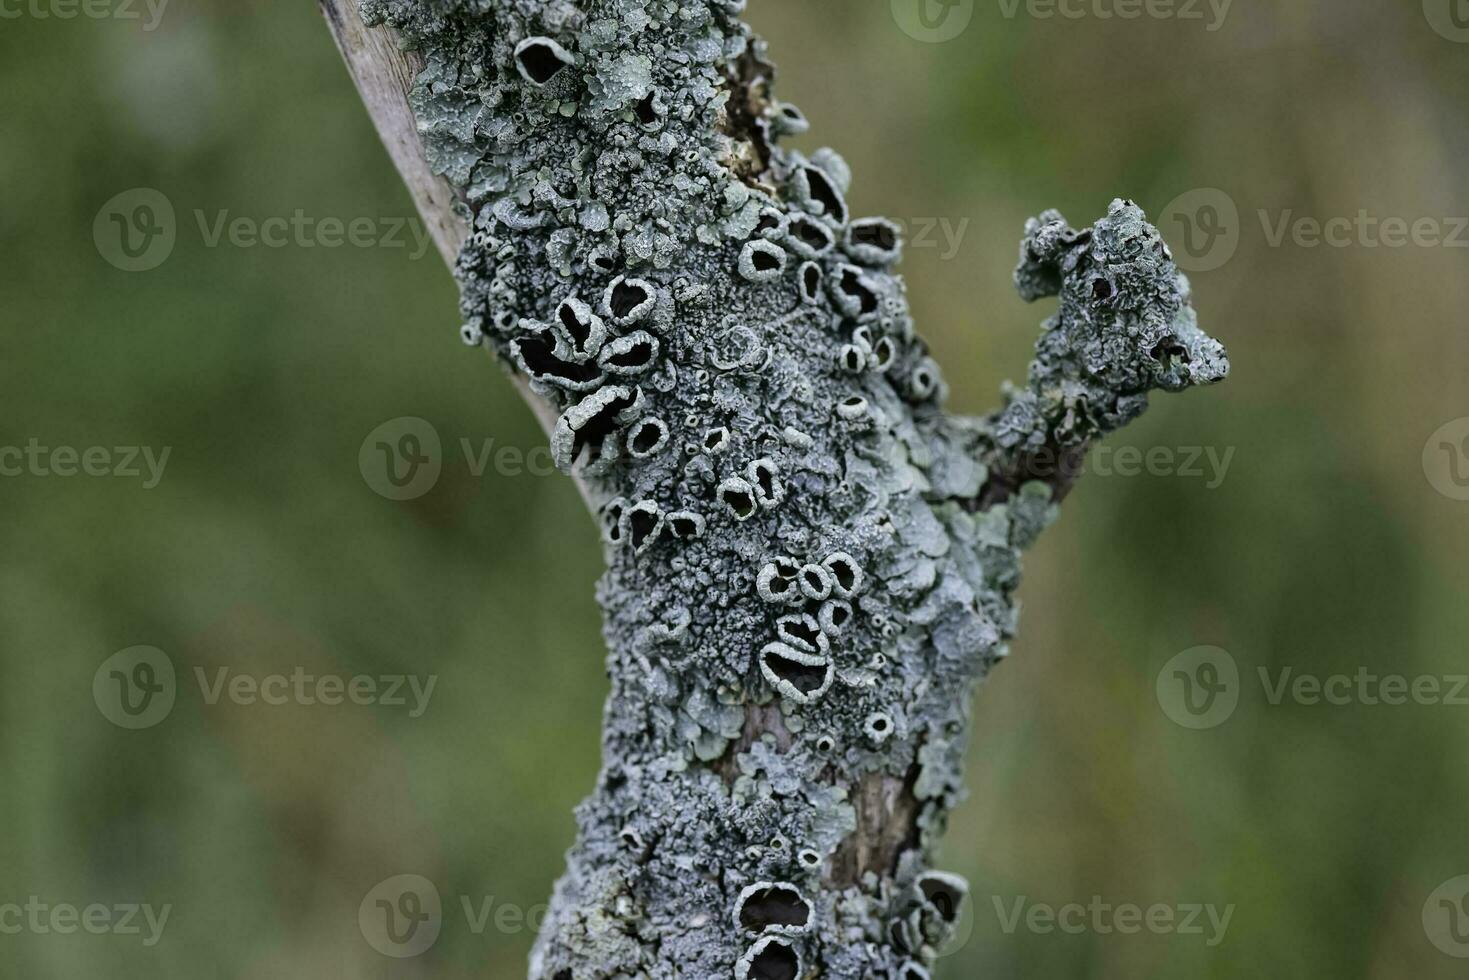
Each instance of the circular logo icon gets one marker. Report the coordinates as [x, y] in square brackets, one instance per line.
[135, 688]
[1446, 459]
[1450, 18]
[1202, 228]
[1199, 688]
[401, 459]
[1446, 917]
[135, 231]
[402, 916]
[933, 21]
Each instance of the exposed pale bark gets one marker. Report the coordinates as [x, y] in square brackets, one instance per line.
[810, 563]
[384, 72]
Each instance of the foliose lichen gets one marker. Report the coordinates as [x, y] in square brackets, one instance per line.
[810, 564]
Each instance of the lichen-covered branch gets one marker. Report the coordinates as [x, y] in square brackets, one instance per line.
[810, 563]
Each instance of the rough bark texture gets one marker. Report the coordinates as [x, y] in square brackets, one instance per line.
[810, 564]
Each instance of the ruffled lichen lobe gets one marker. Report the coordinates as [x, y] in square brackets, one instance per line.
[810, 564]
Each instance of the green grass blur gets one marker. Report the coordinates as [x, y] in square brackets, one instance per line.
[1325, 547]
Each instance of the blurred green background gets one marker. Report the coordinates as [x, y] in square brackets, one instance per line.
[1328, 546]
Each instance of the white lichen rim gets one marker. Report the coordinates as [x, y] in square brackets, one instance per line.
[750, 891]
[563, 439]
[747, 962]
[785, 688]
[848, 589]
[957, 885]
[583, 316]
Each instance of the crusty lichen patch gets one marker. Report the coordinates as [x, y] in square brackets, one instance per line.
[811, 564]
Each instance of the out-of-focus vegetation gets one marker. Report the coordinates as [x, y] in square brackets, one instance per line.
[1323, 546]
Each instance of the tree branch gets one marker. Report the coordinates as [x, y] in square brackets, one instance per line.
[810, 563]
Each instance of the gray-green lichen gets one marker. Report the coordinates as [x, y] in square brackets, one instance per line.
[811, 564]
